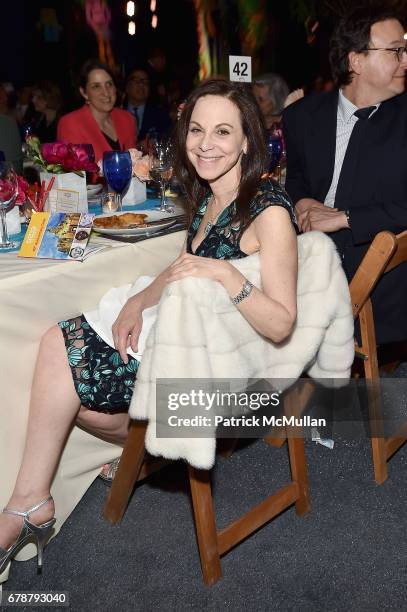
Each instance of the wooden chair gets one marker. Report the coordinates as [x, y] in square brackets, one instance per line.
[385, 253]
[213, 543]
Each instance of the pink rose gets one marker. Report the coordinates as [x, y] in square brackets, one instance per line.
[22, 188]
[54, 152]
[7, 190]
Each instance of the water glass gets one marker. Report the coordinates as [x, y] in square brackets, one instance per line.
[117, 168]
[8, 195]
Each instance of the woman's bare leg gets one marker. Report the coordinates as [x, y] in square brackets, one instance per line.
[53, 409]
[110, 427]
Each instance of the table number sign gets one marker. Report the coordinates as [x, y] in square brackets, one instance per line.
[66, 201]
[240, 68]
[67, 183]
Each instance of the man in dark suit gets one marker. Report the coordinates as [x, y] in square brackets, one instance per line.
[347, 153]
[150, 118]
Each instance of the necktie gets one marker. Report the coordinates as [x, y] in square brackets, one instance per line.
[347, 175]
[135, 115]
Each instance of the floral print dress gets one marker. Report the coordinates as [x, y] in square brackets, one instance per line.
[102, 380]
[223, 239]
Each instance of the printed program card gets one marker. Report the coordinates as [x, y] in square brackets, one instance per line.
[57, 235]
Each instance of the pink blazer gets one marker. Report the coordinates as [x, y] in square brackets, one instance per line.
[80, 127]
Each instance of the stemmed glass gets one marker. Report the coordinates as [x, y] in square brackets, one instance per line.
[161, 170]
[117, 169]
[275, 146]
[8, 194]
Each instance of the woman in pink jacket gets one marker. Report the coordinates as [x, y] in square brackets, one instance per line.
[98, 123]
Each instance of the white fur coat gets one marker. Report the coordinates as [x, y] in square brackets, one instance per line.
[200, 334]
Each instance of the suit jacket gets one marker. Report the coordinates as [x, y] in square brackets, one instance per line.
[10, 142]
[80, 127]
[154, 118]
[377, 194]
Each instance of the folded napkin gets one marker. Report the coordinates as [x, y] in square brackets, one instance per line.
[102, 319]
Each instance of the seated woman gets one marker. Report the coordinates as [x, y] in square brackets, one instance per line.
[220, 159]
[98, 123]
[47, 101]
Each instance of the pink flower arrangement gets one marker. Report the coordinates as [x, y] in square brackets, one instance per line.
[22, 188]
[61, 157]
[7, 188]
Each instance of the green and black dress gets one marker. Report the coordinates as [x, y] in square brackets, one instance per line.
[102, 380]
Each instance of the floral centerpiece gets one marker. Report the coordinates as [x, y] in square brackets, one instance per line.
[13, 190]
[68, 164]
[59, 157]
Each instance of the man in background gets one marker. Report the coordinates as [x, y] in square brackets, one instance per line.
[150, 119]
[347, 153]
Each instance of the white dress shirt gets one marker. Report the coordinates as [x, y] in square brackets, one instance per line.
[345, 122]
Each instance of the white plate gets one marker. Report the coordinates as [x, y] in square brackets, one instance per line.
[93, 189]
[152, 215]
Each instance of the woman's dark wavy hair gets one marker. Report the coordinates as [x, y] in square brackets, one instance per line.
[94, 64]
[353, 34]
[253, 163]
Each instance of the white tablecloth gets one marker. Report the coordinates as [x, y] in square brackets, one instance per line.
[34, 295]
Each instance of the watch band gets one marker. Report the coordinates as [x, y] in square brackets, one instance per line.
[243, 294]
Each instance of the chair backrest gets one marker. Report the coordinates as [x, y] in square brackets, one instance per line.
[386, 252]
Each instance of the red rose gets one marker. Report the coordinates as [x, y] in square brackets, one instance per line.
[22, 188]
[54, 152]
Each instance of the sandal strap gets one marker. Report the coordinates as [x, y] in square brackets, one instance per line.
[27, 513]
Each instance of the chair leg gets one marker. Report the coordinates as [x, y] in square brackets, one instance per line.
[298, 465]
[126, 476]
[277, 438]
[379, 460]
[205, 524]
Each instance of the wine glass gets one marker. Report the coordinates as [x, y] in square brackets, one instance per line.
[161, 170]
[8, 194]
[275, 149]
[117, 169]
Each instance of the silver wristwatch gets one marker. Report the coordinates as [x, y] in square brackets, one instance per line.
[243, 294]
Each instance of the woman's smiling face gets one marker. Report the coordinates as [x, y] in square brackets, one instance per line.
[100, 91]
[215, 140]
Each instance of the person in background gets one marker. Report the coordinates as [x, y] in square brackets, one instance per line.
[10, 142]
[98, 122]
[159, 76]
[24, 106]
[270, 91]
[7, 100]
[347, 153]
[47, 101]
[150, 119]
[272, 94]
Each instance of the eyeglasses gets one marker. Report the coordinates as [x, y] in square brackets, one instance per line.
[398, 51]
[139, 81]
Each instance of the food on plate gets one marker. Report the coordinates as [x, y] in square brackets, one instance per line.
[120, 221]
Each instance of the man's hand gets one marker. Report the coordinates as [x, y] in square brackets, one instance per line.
[313, 215]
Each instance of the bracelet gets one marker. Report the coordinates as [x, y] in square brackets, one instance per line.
[347, 215]
[243, 294]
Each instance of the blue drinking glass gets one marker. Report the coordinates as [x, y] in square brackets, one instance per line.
[275, 150]
[117, 168]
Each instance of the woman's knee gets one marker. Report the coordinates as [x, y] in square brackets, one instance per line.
[52, 338]
[52, 347]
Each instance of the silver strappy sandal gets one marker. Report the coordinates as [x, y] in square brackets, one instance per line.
[111, 472]
[40, 533]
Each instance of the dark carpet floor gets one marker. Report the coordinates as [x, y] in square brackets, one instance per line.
[348, 553]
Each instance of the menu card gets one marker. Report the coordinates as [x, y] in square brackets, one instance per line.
[57, 235]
